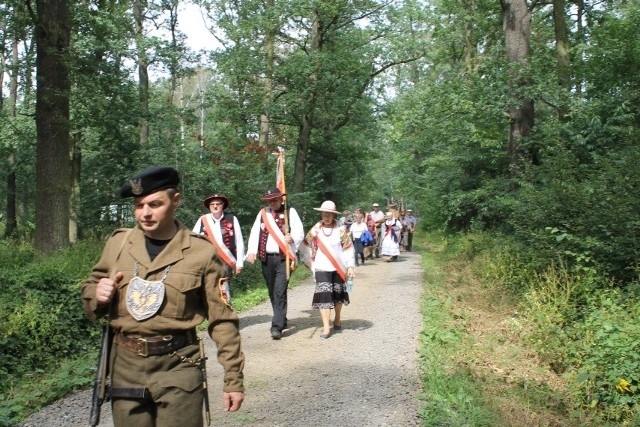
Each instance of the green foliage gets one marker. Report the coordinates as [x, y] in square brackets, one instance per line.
[451, 396]
[604, 357]
[40, 309]
[583, 213]
[581, 326]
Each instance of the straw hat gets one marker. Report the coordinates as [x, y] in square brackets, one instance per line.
[327, 206]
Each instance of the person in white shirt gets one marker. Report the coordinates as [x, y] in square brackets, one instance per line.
[378, 216]
[356, 229]
[224, 232]
[328, 250]
[275, 236]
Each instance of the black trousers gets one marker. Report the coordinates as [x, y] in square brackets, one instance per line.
[275, 274]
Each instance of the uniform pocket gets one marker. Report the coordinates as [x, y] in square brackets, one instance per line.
[187, 379]
[183, 297]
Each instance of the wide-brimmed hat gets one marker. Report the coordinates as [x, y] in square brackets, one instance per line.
[273, 193]
[328, 206]
[207, 201]
[375, 205]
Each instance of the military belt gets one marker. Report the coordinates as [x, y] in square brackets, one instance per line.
[156, 345]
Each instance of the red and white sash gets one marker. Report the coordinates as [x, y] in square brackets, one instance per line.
[215, 236]
[336, 261]
[277, 234]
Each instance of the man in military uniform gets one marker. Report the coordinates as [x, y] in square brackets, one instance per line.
[157, 282]
[270, 241]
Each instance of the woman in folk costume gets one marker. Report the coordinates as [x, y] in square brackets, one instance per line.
[328, 250]
[391, 228]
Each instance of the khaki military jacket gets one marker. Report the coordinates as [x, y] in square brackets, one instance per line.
[191, 293]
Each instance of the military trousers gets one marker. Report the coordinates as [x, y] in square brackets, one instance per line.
[175, 396]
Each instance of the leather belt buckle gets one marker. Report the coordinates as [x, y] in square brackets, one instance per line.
[142, 347]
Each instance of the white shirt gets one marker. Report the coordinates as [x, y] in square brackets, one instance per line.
[347, 256]
[237, 232]
[297, 234]
[376, 216]
[357, 228]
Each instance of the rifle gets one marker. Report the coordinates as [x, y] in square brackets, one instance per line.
[205, 391]
[100, 390]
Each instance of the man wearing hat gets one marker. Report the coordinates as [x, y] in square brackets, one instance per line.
[275, 235]
[223, 230]
[378, 216]
[156, 283]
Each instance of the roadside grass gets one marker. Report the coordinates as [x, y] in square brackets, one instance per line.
[476, 370]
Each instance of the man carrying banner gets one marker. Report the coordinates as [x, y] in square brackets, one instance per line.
[275, 236]
[223, 230]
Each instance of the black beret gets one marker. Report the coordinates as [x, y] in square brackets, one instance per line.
[149, 181]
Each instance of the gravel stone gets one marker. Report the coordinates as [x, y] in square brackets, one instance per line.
[364, 375]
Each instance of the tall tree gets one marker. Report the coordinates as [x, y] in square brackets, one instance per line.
[54, 144]
[517, 29]
[139, 10]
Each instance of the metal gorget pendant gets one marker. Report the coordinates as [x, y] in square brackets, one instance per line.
[144, 297]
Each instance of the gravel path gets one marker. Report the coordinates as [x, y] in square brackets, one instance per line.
[364, 375]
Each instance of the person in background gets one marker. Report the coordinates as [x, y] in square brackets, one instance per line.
[378, 217]
[156, 283]
[404, 233]
[371, 226]
[223, 230]
[390, 237]
[411, 228]
[270, 241]
[328, 251]
[356, 229]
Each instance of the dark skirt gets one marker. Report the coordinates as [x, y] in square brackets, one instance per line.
[330, 290]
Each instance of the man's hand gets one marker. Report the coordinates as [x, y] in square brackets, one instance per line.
[250, 258]
[106, 288]
[231, 401]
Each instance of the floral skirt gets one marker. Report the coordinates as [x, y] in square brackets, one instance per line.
[330, 290]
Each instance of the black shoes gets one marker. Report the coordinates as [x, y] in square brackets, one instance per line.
[276, 335]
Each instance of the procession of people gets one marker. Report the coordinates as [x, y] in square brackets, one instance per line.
[156, 282]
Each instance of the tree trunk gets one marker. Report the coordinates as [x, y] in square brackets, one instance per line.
[139, 8]
[304, 140]
[54, 145]
[265, 120]
[562, 53]
[75, 188]
[517, 28]
[12, 221]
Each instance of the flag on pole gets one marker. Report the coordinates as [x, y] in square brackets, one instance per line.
[280, 170]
